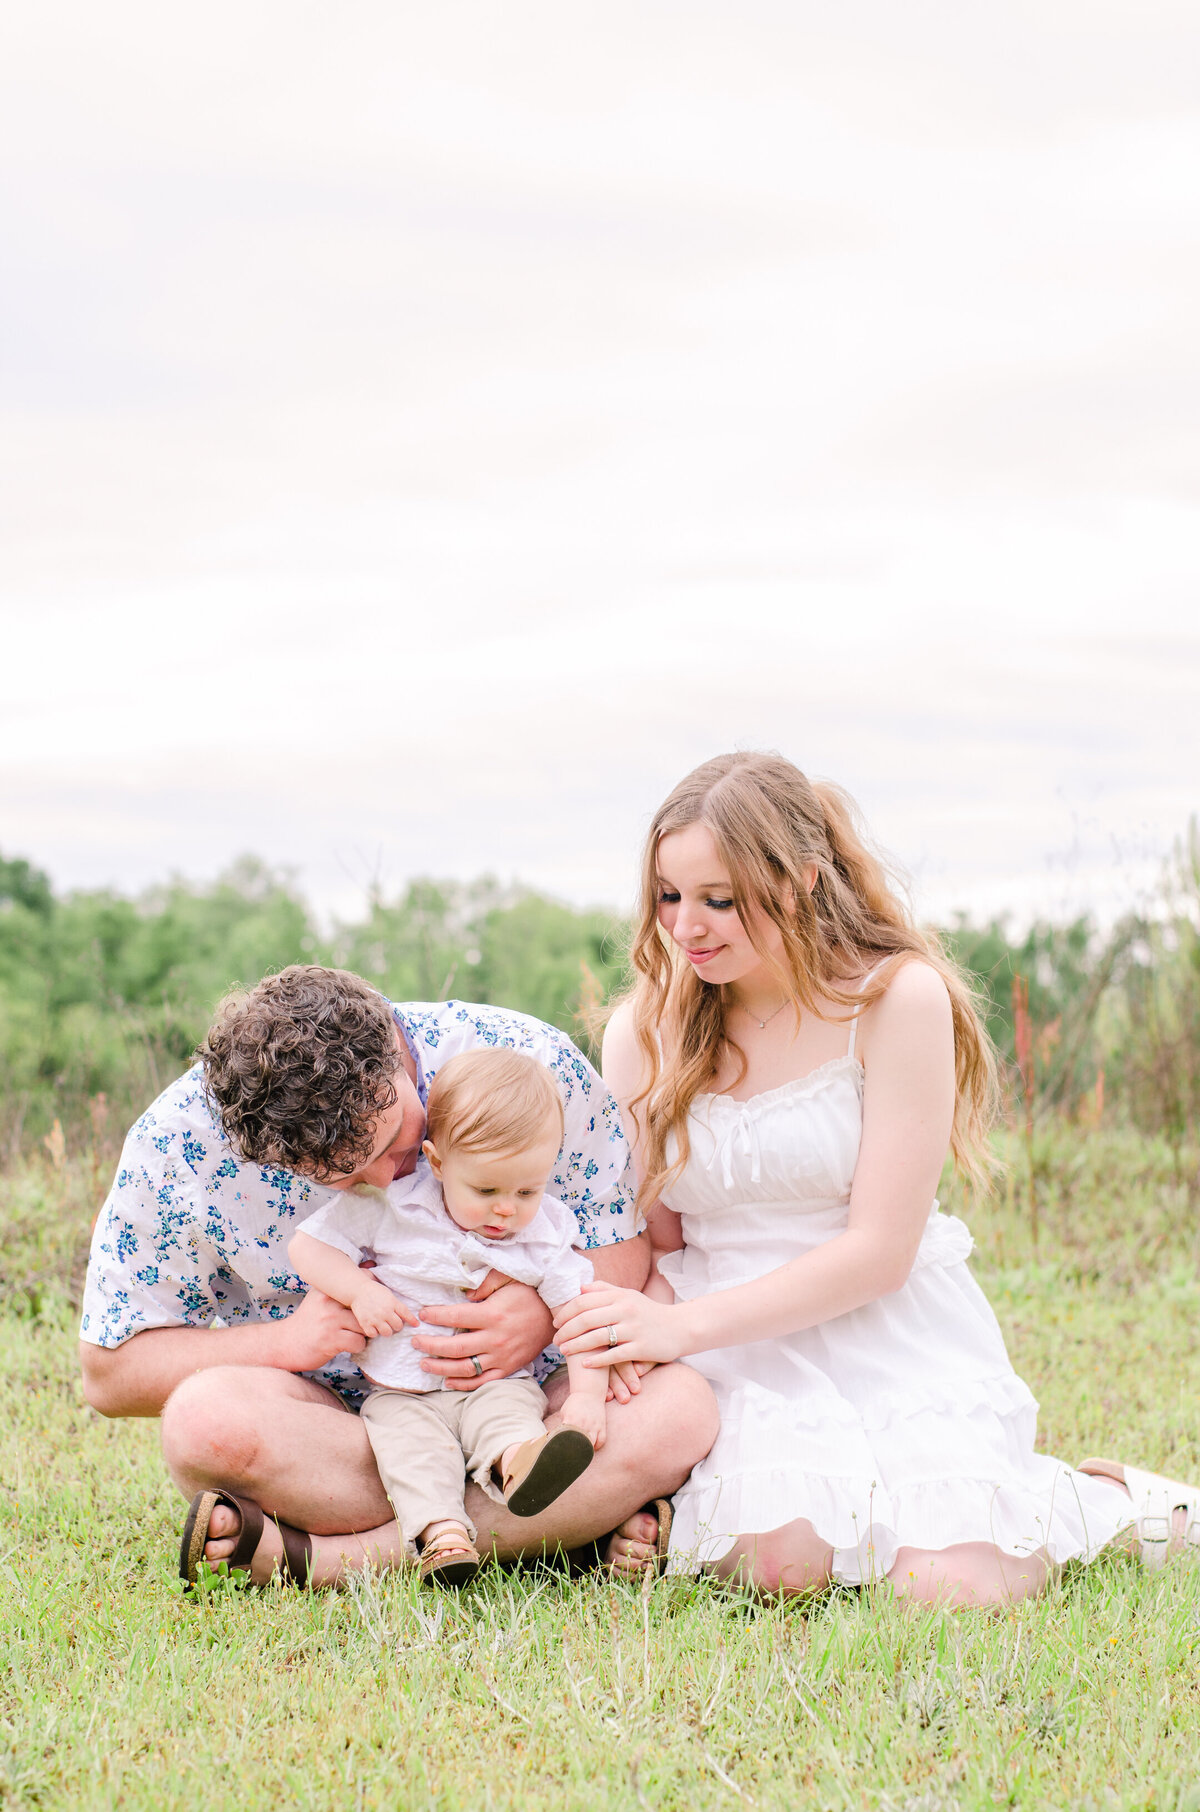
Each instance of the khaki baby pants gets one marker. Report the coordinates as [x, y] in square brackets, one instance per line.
[426, 1443]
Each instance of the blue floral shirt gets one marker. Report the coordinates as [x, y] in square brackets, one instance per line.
[191, 1236]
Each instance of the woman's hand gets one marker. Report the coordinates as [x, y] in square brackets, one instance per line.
[645, 1329]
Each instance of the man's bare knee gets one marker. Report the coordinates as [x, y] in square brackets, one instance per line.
[681, 1423]
[698, 1415]
[212, 1431]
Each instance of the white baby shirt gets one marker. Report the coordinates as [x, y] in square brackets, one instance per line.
[425, 1257]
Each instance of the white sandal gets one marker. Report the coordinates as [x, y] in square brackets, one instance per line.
[1154, 1500]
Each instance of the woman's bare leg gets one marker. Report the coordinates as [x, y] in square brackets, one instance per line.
[795, 1561]
[969, 1573]
[972, 1573]
[792, 1560]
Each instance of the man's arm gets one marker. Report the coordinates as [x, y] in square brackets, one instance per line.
[137, 1377]
[627, 1264]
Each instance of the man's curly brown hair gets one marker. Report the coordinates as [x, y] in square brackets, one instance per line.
[299, 1069]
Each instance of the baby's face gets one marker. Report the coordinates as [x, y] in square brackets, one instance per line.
[494, 1194]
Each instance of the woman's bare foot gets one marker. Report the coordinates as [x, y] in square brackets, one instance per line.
[1110, 1471]
[1113, 1473]
[633, 1548]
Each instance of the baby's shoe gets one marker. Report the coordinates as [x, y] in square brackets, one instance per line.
[448, 1558]
[542, 1469]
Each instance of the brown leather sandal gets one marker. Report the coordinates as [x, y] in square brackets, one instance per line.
[662, 1509]
[295, 1568]
[448, 1559]
[542, 1469]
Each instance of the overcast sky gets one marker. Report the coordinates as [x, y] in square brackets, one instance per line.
[428, 431]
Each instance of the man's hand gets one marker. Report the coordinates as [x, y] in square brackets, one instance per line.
[495, 1280]
[377, 1311]
[316, 1332]
[504, 1333]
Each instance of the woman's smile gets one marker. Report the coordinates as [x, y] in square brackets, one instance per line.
[695, 898]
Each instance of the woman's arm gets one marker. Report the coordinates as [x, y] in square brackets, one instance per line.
[624, 1068]
[666, 1235]
[907, 1045]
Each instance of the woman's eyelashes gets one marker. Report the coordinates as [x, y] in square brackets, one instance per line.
[668, 898]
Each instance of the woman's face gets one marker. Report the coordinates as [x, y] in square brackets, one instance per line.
[696, 909]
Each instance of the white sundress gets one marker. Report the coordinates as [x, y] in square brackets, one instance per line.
[899, 1424]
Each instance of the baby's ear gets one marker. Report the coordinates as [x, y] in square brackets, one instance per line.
[429, 1150]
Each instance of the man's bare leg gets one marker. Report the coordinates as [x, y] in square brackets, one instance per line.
[288, 1444]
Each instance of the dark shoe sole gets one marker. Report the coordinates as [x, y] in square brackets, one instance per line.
[565, 1457]
[454, 1573]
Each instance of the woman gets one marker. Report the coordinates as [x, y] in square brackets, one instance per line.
[795, 1059]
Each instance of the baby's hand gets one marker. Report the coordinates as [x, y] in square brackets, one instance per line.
[585, 1413]
[378, 1312]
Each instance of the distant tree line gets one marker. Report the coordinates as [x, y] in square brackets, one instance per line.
[103, 998]
[102, 995]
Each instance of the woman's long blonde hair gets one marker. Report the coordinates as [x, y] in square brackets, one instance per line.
[773, 827]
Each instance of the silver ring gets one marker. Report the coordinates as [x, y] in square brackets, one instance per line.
[475, 1361]
[612, 1336]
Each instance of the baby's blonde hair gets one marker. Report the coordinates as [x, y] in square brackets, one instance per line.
[496, 1100]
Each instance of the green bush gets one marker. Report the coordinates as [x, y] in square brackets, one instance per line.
[103, 995]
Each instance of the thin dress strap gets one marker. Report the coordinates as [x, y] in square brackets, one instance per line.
[858, 1009]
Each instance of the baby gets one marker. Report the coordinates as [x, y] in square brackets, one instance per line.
[495, 1125]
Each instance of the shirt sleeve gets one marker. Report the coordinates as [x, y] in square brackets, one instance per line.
[564, 1271]
[349, 1224]
[594, 1175]
[158, 1255]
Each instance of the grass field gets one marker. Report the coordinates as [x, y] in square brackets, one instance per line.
[529, 1691]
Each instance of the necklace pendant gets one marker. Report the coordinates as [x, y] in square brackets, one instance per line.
[762, 1024]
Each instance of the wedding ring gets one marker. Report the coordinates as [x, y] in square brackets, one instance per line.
[612, 1336]
[478, 1364]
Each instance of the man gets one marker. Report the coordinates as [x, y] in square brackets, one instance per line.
[313, 1082]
